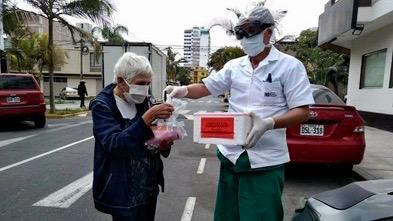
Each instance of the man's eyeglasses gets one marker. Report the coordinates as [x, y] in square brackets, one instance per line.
[249, 29]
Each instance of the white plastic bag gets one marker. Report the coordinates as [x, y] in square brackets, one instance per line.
[170, 129]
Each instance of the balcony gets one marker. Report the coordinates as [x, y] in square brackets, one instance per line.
[345, 20]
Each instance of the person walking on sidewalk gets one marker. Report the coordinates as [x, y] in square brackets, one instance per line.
[275, 89]
[82, 92]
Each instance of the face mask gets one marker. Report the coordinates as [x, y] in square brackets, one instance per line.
[254, 45]
[137, 93]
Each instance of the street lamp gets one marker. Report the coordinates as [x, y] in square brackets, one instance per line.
[84, 50]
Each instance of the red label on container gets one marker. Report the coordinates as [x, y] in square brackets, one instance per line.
[217, 127]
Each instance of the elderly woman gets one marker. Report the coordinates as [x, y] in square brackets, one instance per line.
[127, 173]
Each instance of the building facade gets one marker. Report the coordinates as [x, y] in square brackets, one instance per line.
[196, 47]
[364, 29]
[78, 65]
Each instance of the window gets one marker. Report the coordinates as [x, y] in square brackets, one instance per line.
[373, 69]
[391, 75]
[8, 82]
[324, 96]
[95, 62]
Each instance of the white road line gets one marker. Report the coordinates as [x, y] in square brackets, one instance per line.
[189, 116]
[14, 140]
[201, 101]
[207, 146]
[82, 115]
[68, 126]
[67, 195]
[183, 112]
[44, 154]
[201, 166]
[57, 125]
[209, 101]
[188, 209]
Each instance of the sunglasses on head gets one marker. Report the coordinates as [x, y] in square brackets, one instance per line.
[249, 29]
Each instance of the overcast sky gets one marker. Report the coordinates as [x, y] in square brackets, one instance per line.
[163, 22]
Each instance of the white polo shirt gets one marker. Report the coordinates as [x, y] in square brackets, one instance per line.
[278, 84]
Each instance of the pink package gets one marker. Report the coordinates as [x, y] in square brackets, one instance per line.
[164, 133]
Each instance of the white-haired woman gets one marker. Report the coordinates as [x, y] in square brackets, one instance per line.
[126, 172]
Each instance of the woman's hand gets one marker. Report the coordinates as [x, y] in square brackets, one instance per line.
[160, 111]
[165, 144]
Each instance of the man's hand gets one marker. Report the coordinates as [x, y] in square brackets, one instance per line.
[160, 111]
[176, 91]
[259, 127]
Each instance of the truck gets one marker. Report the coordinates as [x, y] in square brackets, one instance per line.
[112, 52]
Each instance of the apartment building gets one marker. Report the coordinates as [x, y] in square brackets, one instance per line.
[196, 47]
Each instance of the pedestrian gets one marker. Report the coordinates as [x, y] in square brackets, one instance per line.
[82, 92]
[274, 88]
[127, 172]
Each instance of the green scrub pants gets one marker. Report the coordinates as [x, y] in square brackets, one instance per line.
[246, 194]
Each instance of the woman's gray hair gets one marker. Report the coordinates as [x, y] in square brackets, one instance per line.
[130, 65]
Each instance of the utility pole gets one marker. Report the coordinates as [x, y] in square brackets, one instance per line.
[1, 26]
[84, 50]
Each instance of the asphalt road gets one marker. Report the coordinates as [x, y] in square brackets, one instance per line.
[45, 174]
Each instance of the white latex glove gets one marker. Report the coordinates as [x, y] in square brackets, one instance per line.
[176, 91]
[259, 127]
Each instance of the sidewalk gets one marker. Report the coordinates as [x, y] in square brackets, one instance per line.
[68, 104]
[378, 158]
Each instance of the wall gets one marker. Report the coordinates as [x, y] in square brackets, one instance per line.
[377, 100]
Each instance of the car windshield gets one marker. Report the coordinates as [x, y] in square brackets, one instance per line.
[325, 96]
[8, 82]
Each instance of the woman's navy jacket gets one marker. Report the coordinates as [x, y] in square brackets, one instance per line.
[126, 173]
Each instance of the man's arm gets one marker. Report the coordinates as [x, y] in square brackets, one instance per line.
[294, 116]
[196, 91]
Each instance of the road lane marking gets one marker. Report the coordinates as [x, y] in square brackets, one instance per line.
[67, 195]
[188, 209]
[201, 101]
[44, 154]
[57, 125]
[183, 112]
[189, 116]
[201, 166]
[68, 126]
[14, 140]
[207, 146]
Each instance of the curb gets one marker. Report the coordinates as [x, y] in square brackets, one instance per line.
[61, 116]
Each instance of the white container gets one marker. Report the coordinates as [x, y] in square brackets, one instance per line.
[221, 128]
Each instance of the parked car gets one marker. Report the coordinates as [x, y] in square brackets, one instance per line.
[21, 99]
[334, 133]
[367, 200]
[68, 93]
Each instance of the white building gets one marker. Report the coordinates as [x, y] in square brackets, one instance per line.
[76, 63]
[196, 47]
[364, 29]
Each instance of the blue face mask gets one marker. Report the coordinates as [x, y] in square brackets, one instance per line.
[254, 45]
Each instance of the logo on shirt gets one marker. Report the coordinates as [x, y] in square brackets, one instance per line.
[270, 94]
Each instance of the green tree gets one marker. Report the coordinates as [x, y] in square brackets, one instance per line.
[111, 34]
[56, 10]
[223, 55]
[171, 64]
[183, 75]
[324, 67]
[30, 54]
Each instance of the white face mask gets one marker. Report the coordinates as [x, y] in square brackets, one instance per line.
[254, 45]
[137, 93]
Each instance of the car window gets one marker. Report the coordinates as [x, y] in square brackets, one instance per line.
[325, 96]
[16, 82]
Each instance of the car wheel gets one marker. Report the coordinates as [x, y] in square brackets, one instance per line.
[40, 122]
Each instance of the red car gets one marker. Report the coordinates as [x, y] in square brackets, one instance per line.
[21, 99]
[334, 133]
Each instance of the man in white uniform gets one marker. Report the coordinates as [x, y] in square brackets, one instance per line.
[274, 87]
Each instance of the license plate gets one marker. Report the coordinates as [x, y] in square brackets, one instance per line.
[13, 99]
[312, 130]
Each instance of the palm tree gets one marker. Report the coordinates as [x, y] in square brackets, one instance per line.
[112, 34]
[56, 10]
[171, 64]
